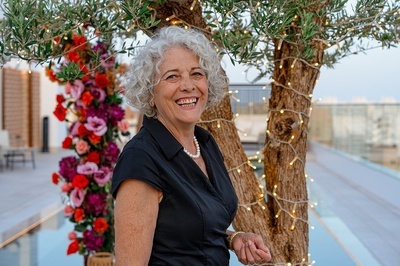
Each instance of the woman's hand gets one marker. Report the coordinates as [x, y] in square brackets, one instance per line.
[250, 248]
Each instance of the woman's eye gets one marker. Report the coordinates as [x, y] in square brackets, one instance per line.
[172, 78]
[198, 74]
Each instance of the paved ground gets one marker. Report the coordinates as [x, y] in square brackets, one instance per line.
[27, 194]
[363, 199]
[361, 202]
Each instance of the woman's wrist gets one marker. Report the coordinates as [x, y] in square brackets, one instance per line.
[232, 237]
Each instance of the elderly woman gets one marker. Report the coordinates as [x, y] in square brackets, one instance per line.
[174, 198]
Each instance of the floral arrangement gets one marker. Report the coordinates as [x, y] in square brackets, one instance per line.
[91, 106]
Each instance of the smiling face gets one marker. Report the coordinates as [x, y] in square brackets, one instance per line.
[181, 95]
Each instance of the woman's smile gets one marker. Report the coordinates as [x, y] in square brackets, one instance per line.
[187, 102]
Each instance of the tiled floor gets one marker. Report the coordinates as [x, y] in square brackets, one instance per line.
[27, 194]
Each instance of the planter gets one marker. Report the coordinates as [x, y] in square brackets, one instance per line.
[101, 259]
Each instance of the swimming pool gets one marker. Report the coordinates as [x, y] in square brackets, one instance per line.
[46, 245]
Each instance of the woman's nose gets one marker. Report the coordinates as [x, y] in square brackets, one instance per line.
[187, 83]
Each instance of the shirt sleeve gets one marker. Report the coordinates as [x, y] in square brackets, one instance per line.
[138, 165]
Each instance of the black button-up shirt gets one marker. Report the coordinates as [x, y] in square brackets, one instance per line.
[195, 211]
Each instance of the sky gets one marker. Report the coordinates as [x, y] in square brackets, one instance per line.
[370, 77]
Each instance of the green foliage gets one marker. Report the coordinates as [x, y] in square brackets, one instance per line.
[30, 28]
[248, 31]
[71, 71]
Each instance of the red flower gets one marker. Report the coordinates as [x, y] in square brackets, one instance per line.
[79, 40]
[50, 73]
[100, 225]
[60, 98]
[87, 98]
[85, 71]
[93, 157]
[83, 131]
[101, 80]
[55, 178]
[74, 56]
[80, 181]
[79, 214]
[82, 115]
[94, 139]
[67, 143]
[73, 247]
[57, 40]
[60, 112]
[84, 68]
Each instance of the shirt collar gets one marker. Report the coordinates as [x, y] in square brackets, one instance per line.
[169, 145]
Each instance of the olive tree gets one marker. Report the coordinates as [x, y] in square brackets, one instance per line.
[286, 40]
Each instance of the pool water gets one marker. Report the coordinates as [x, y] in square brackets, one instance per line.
[46, 245]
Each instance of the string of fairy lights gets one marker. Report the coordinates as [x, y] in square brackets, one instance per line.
[258, 157]
[273, 193]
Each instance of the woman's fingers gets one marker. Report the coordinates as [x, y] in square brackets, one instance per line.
[249, 253]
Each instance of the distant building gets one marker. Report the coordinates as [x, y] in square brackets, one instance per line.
[368, 130]
[249, 98]
[385, 155]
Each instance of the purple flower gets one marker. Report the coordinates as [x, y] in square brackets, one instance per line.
[100, 48]
[92, 240]
[97, 125]
[87, 168]
[100, 112]
[115, 114]
[68, 167]
[111, 152]
[96, 203]
[99, 94]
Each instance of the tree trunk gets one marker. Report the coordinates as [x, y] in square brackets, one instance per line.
[285, 152]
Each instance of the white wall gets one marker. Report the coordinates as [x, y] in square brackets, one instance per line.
[48, 92]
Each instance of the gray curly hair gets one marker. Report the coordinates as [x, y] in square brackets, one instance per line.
[139, 85]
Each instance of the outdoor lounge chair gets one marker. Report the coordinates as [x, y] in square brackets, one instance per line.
[14, 154]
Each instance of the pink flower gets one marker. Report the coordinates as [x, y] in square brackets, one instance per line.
[74, 128]
[66, 187]
[97, 125]
[99, 94]
[77, 196]
[107, 61]
[123, 125]
[102, 176]
[68, 210]
[75, 89]
[72, 235]
[87, 168]
[82, 146]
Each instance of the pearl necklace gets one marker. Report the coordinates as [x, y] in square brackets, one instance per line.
[197, 155]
